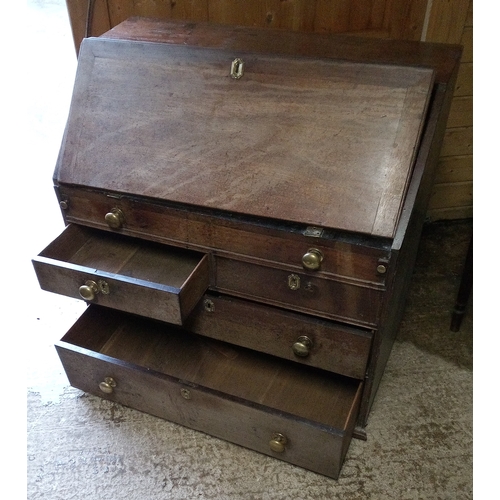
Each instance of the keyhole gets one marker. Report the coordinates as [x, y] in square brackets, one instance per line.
[237, 68]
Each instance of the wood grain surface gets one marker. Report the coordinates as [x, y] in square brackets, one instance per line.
[148, 279]
[321, 142]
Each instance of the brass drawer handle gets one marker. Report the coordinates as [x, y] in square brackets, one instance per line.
[91, 289]
[278, 442]
[107, 385]
[302, 346]
[312, 259]
[115, 218]
[381, 269]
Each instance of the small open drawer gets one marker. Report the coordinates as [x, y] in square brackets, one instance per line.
[299, 414]
[124, 273]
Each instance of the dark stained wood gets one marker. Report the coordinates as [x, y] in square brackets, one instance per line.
[346, 259]
[404, 21]
[237, 394]
[405, 244]
[374, 18]
[442, 58]
[464, 290]
[152, 280]
[326, 298]
[318, 142]
[335, 347]
[249, 387]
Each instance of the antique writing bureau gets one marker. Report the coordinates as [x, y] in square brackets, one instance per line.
[243, 209]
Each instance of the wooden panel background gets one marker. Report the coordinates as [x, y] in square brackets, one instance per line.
[448, 21]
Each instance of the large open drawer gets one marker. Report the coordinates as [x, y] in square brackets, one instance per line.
[299, 414]
[124, 273]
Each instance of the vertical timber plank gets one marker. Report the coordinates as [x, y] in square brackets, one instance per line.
[78, 11]
[451, 22]
[407, 19]
[332, 16]
[447, 20]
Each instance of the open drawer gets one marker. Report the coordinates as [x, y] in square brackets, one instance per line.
[299, 414]
[124, 273]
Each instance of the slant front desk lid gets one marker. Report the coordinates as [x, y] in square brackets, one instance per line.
[315, 141]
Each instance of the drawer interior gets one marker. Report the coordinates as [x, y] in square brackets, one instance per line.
[117, 254]
[124, 273]
[304, 392]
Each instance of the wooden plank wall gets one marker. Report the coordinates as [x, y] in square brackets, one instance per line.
[432, 20]
[451, 22]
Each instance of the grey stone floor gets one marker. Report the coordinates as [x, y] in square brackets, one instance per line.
[420, 434]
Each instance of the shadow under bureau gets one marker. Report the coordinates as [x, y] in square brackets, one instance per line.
[243, 209]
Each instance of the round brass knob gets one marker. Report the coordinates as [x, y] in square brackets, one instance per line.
[115, 218]
[89, 290]
[302, 347]
[381, 269]
[278, 442]
[312, 259]
[107, 385]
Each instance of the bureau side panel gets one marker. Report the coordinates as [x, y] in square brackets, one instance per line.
[406, 243]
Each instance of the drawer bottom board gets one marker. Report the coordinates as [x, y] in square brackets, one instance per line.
[232, 393]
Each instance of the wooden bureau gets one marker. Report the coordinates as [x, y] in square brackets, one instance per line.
[243, 211]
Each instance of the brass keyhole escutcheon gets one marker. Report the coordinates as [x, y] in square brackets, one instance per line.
[302, 346]
[293, 282]
[278, 442]
[89, 290]
[237, 67]
[107, 385]
[312, 259]
[209, 305]
[103, 287]
[186, 393]
[115, 218]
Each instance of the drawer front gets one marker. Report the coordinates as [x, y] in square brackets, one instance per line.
[288, 247]
[296, 337]
[300, 292]
[123, 273]
[251, 422]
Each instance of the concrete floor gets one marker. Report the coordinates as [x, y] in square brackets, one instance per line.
[81, 447]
